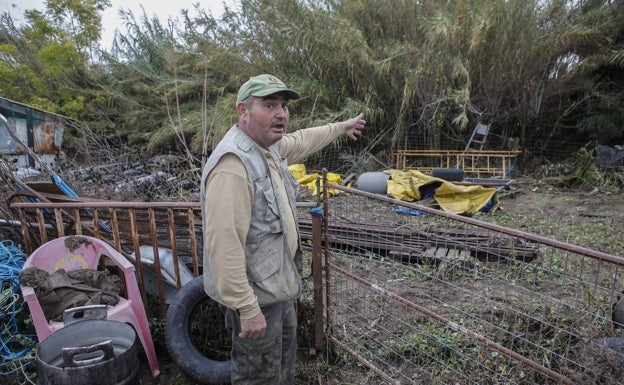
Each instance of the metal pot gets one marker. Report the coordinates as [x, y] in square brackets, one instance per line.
[91, 351]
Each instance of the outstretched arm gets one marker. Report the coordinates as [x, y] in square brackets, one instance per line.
[297, 145]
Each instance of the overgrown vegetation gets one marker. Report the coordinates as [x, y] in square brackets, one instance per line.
[540, 70]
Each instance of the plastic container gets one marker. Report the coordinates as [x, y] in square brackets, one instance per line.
[375, 182]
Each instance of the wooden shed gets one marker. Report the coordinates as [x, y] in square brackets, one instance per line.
[41, 131]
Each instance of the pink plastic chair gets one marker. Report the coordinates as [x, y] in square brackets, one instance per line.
[82, 252]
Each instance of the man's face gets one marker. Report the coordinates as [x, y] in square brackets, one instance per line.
[265, 120]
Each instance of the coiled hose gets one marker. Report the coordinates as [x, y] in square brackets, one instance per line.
[16, 348]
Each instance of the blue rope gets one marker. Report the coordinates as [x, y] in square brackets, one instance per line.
[15, 347]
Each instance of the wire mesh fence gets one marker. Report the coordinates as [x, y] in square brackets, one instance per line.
[421, 296]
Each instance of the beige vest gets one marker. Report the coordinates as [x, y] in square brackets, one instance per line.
[271, 269]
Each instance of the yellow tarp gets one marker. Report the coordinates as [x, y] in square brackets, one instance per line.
[457, 199]
[298, 171]
[409, 185]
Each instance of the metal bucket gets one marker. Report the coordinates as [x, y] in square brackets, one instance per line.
[89, 352]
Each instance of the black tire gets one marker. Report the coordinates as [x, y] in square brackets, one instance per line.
[191, 316]
[449, 174]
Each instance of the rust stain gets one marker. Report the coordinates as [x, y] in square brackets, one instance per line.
[43, 136]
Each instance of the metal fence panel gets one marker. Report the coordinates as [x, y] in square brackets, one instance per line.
[426, 297]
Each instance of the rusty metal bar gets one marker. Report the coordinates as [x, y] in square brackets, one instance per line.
[25, 232]
[59, 222]
[191, 226]
[485, 225]
[174, 247]
[363, 235]
[42, 230]
[364, 361]
[159, 279]
[115, 228]
[78, 222]
[96, 224]
[328, 317]
[108, 204]
[137, 253]
[317, 276]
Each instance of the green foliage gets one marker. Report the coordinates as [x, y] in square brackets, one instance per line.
[537, 69]
[81, 19]
[45, 63]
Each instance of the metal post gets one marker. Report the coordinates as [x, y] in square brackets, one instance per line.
[317, 271]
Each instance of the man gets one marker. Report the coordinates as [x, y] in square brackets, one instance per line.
[251, 237]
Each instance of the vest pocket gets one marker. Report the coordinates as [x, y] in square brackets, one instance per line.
[261, 266]
[266, 210]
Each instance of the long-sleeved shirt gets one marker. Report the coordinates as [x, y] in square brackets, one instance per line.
[229, 199]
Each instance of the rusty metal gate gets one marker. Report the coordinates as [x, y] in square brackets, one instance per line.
[421, 296]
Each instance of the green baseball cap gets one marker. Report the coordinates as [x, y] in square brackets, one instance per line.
[264, 85]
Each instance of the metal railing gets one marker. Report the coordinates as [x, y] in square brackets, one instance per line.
[175, 226]
[129, 227]
[485, 163]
